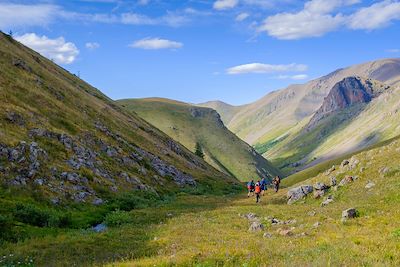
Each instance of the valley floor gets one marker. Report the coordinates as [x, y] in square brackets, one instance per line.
[214, 231]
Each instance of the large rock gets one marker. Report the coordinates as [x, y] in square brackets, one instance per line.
[346, 180]
[349, 214]
[256, 226]
[298, 193]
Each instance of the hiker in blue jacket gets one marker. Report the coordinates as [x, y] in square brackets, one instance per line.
[263, 184]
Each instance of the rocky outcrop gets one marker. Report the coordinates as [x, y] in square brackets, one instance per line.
[348, 92]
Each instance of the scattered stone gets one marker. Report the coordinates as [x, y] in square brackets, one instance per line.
[384, 170]
[333, 181]
[317, 224]
[286, 232]
[320, 189]
[349, 214]
[267, 235]
[370, 185]
[362, 169]
[55, 201]
[327, 201]
[298, 193]
[353, 163]
[15, 118]
[256, 226]
[332, 169]
[98, 202]
[311, 213]
[344, 163]
[250, 216]
[39, 182]
[100, 228]
[346, 180]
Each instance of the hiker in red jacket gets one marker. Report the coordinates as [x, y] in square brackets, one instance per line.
[257, 191]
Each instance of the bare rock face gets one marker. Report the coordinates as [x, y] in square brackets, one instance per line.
[348, 92]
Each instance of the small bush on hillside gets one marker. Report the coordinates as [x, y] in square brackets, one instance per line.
[6, 225]
[135, 200]
[117, 218]
[35, 216]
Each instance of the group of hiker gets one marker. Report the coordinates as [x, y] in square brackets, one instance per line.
[260, 187]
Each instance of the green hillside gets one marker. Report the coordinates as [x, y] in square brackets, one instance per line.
[305, 233]
[191, 125]
[70, 158]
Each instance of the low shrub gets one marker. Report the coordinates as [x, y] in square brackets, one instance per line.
[117, 218]
[33, 215]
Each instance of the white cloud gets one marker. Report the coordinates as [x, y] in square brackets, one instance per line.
[55, 49]
[293, 77]
[313, 21]
[18, 15]
[242, 16]
[92, 45]
[393, 50]
[143, 2]
[155, 44]
[266, 68]
[225, 4]
[375, 16]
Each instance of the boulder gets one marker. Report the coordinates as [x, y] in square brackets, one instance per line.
[370, 185]
[99, 228]
[256, 226]
[346, 180]
[286, 232]
[317, 224]
[298, 193]
[250, 216]
[333, 181]
[349, 214]
[15, 118]
[267, 235]
[332, 169]
[327, 201]
[344, 163]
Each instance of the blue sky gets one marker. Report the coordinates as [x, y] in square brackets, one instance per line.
[197, 50]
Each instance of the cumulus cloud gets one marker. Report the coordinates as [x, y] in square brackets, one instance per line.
[318, 17]
[313, 21]
[18, 15]
[266, 68]
[155, 44]
[225, 4]
[242, 16]
[375, 16]
[92, 45]
[58, 49]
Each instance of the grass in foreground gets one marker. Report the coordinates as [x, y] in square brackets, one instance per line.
[208, 231]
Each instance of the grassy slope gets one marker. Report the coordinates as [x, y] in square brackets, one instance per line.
[372, 239]
[223, 149]
[48, 97]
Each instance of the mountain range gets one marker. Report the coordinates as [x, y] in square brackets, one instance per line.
[286, 126]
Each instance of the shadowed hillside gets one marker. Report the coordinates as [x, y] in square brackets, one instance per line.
[191, 126]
